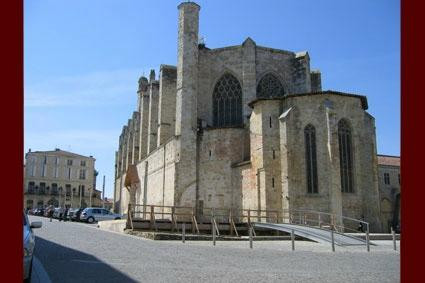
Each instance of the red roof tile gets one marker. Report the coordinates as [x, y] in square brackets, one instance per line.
[389, 160]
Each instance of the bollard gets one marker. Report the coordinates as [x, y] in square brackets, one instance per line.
[367, 237]
[332, 238]
[293, 239]
[183, 232]
[250, 237]
[213, 232]
[394, 242]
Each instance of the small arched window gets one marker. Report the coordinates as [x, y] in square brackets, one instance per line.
[269, 86]
[310, 159]
[227, 102]
[345, 156]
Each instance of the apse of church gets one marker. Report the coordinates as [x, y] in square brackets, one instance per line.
[243, 127]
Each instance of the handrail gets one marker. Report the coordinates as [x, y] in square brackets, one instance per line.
[296, 216]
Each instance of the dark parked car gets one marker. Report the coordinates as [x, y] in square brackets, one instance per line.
[48, 211]
[39, 212]
[74, 214]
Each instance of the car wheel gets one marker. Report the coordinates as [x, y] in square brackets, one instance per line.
[117, 218]
[90, 219]
[28, 280]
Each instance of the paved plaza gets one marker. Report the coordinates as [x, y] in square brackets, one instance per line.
[79, 252]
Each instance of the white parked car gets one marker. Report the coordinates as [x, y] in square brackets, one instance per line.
[29, 242]
[93, 214]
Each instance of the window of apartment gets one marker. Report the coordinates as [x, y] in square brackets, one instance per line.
[31, 187]
[69, 173]
[33, 167]
[42, 189]
[82, 190]
[68, 189]
[54, 190]
[83, 163]
[43, 170]
[82, 174]
[56, 172]
[69, 162]
[57, 161]
[386, 178]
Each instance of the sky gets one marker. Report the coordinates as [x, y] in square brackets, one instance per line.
[82, 60]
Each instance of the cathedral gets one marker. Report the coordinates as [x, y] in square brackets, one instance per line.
[246, 127]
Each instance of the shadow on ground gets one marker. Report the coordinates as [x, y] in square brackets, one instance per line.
[64, 264]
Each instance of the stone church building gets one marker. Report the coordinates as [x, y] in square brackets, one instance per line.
[243, 127]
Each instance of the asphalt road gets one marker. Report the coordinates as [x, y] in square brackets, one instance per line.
[78, 252]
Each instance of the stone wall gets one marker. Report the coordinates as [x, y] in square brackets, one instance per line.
[219, 150]
[388, 194]
[156, 179]
[323, 112]
[153, 116]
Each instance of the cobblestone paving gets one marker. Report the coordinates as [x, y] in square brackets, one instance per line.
[78, 252]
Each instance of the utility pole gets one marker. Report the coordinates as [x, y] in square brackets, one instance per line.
[103, 192]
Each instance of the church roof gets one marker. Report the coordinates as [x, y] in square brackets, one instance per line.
[361, 97]
[389, 160]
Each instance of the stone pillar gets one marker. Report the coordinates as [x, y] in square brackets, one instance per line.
[285, 141]
[119, 160]
[153, 113]
[135, 138]
[144, 116]
[186, 102]
[167, 103]
[249, 83]
[257, 161]
[129, 141]
[124, 149]
[116, 165]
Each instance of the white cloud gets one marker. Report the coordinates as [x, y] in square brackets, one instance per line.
[98, 88]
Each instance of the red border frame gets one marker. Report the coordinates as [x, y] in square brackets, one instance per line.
[11, 22]
[412, 153]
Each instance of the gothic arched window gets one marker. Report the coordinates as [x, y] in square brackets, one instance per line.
[269, 86]
[310, 159]
[345, 156]
[227, 102]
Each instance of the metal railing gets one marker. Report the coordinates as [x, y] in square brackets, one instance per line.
[216, 216]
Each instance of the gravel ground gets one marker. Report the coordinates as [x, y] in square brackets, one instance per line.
[78, 252]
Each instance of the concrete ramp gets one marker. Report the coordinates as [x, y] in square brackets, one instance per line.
[313, 233]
